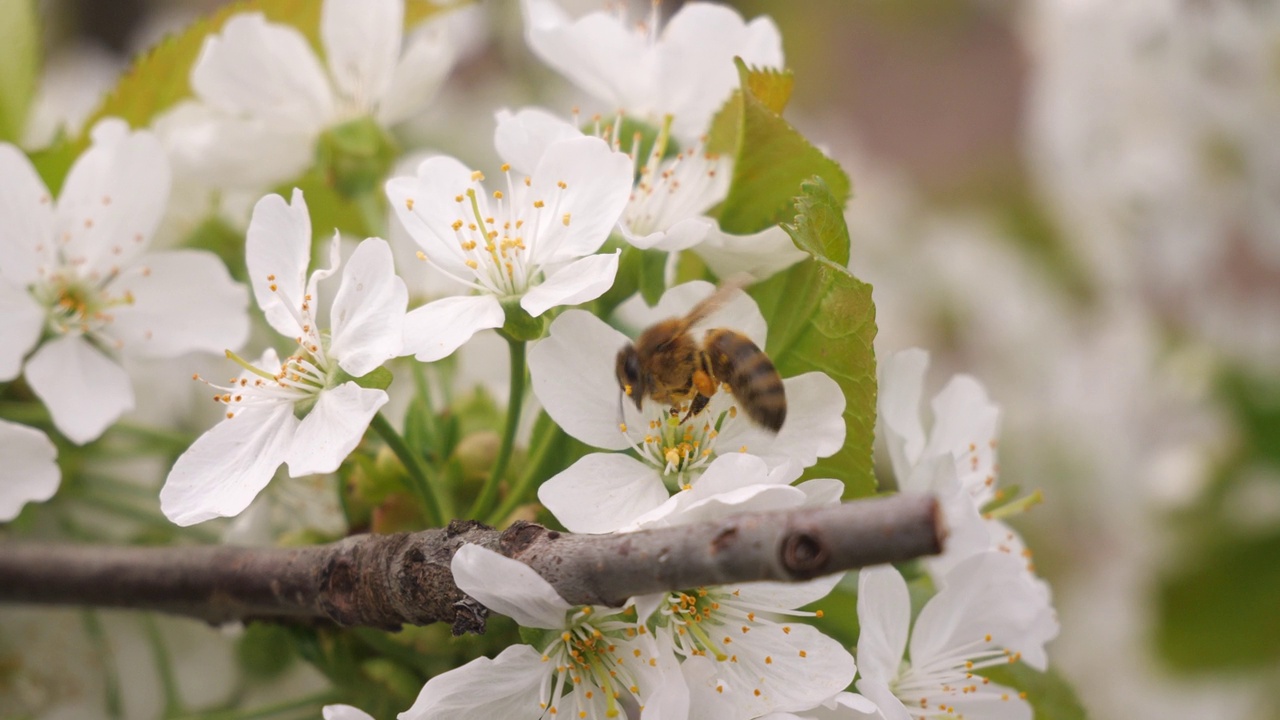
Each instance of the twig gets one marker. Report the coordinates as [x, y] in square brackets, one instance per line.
[385, 581]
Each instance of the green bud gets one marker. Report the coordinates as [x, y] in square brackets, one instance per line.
[520, 325]
[477, 452]
[355, 156]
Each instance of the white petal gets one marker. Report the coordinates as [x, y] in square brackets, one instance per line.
[29, 472]
[418, 76]
[436, 329]
[732, 471]
[27, 209]
[597, 52]
[901, 387]
[184, 301]
[367, 321]
[696, 63]
[113, 197]
[483, 689]
[361, 40]
[682, 235]
[884, 616]
[789, 596]
[575, 283]
[759, 255]
[602, 492]
[877, 691]
[84, 390]
[426, 207]
[263, 69]
[210, 148]
[822, 491]
[21, 321]
[344, 712]
[333, 428]
[814, 426]
[508, 587]
[523, 138]
[225, 469]
[992, 594]
[277, 253]
[966, 424]
[689, 508]
[597, 184]
[572, 372]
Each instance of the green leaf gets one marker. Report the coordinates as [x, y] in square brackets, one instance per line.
[1217, 611]
[822, 318]
[1050, 695]
[771, 158]
[379, 379]
[19, 65]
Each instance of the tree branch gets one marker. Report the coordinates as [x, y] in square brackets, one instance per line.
[385, 581]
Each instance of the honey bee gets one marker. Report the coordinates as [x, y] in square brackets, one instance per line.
[671, 365]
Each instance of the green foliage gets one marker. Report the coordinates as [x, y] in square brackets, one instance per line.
[771, 158]
[265, 650]
[1217, 610]
[652, 272]
[1050, 695]
[822, 318]
[19, 65]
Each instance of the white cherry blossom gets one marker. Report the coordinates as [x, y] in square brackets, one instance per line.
[533, 241]
[684, 70]
[29, 472]
[78, 287]
[989, 613]
[572, 372]
[588, 664]
[264, 97]
[307, 410]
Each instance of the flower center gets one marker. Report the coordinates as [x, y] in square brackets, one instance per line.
[498, 233]
[934, 685]
[82, 305]
[595, 665]
[682, 449]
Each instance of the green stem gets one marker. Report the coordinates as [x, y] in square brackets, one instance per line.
[164, 665]
[541, 445]
[515, 400]
[438, 503]
[178, 441]
[110, 675]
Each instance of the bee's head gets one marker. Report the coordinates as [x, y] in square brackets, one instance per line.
[630, 379]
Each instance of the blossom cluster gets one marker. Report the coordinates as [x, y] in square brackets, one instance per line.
[539, 251]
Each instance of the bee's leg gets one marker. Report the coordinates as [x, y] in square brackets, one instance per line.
[699, 402]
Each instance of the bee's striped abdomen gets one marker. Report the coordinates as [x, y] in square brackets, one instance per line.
[750, 374]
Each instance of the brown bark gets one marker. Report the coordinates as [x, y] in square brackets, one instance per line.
[385, 581]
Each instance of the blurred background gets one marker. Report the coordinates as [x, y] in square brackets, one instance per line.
[1075, 201]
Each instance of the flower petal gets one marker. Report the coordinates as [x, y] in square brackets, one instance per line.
[508, 587]
[523, 137]
[965, 425]
[588, 184]
[682, 235]
[263, 69]
[787, 595]
[277, 253]
[418, 76]
[29, 472]
[602, 492]
[877, 691]
[426, 207]
[436, 329]
[84, 390]
[333, 428]
[505, 687]
[814, 426]
[184, 301]
[344, 712]
[367, 321]
[597, 52]
[209, 148]
[21, 321]
[884, 616]
[575, 283]
[901, 387]
[572, 372]
[225, 469]
[28, 215]
[113, 197]
[759, 255]
[361, 40]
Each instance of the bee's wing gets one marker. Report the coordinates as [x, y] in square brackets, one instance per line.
[713, 302]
